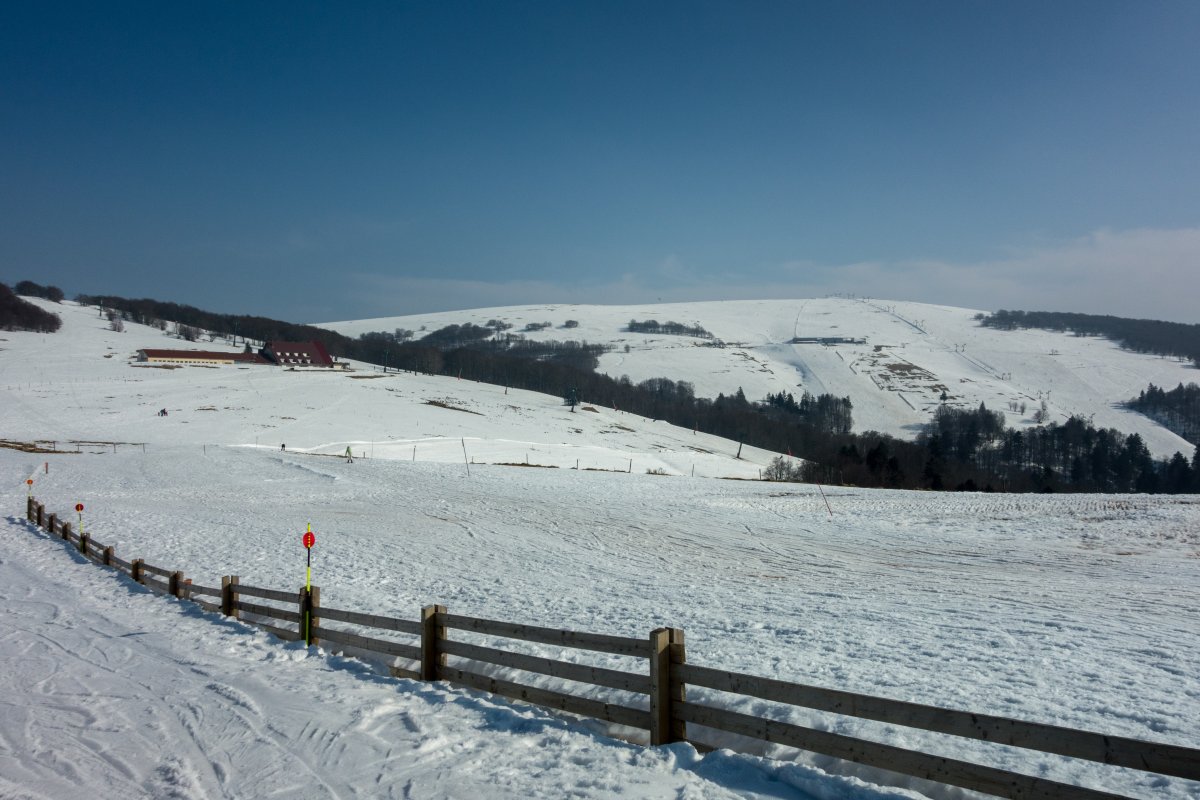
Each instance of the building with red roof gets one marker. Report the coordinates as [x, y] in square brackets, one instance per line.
[298, 354]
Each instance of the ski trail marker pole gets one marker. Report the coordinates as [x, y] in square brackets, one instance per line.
[309, 540]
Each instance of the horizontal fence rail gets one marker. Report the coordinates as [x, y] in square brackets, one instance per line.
[663, 687]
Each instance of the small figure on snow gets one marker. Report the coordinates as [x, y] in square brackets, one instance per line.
[349, 456]
[282, 447]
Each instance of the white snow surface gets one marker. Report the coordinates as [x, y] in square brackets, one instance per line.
[1080, 610]
[913, 352]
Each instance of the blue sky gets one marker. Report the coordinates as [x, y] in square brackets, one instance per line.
[329, 161]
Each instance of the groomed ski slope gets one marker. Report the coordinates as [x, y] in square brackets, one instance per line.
[1073, 610]
[913, 352]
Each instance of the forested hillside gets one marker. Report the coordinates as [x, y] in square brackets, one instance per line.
[21, 315]
[1139, 335]
[1177, 409]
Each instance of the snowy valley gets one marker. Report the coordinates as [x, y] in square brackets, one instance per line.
[1074, 610]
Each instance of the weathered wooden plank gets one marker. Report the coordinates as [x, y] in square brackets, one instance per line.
[268, 611]
[975, 777]
[208, 591]
[582, 673]
[1166, 759]
[286, 634]
[153, 570]
[401, 672]
[155, 585]
[599, 642]
[622, 715]
[368, 642]
[121, 563]
[269, 594]
[410, 626]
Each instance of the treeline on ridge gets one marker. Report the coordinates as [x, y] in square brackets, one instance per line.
[1139, 335]
[17, 314]
[669, 328]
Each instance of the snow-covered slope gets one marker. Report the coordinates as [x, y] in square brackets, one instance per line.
[912, 353]
[1074, 610]
[81, 384]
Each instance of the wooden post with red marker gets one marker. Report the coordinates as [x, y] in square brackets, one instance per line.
[306, 597]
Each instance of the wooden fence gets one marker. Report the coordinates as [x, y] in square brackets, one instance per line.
[299, 615]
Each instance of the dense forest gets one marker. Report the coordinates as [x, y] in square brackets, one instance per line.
[1139, 335]
[959, 449]
[1177, 410]
[17, 314]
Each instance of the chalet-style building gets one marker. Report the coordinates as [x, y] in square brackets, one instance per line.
[198, 357]
[298, 354]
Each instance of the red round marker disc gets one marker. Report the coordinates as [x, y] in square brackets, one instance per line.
[79, 507]
[29, 481]
[309, 539]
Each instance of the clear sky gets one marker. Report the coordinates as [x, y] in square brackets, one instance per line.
[324, 161]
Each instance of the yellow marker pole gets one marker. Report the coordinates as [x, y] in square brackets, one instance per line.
[309, 541]
[29, 483]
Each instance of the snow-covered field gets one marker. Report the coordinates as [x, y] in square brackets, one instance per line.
[1081, 611]
[912, 353]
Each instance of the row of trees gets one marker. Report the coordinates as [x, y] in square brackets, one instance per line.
[670, 328]
[1140, 335]
[1178, 410]
[31, 289]
[825, 412]
[17, 314]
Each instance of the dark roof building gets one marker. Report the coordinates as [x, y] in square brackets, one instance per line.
[298, 354]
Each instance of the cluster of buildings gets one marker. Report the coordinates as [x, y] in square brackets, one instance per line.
[282, 354]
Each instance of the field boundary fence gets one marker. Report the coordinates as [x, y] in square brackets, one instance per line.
[654, 699]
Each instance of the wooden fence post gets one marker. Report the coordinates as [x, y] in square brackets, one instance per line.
[175, 584]
[41, 519]
[66, 531]
[229, 596]
[666, 648]
[30, 508]
[83, 542]
[310, 601]
[135, 569]
[431, 657]
[107, 558]
[53, 526]
[678, 689]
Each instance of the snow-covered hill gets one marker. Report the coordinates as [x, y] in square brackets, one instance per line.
[912, 353]
[81, 384]
[1073, 610]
